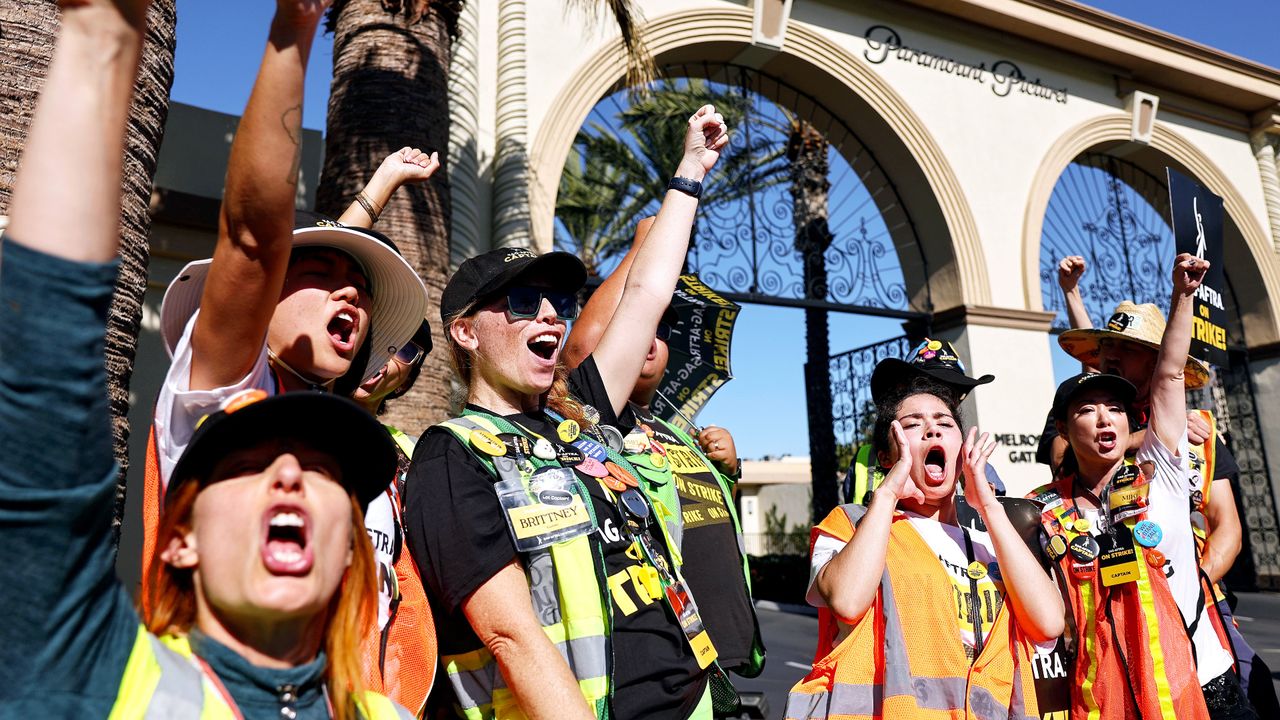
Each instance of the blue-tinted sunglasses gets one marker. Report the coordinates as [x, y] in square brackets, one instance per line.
[526, 302]
[410, 353]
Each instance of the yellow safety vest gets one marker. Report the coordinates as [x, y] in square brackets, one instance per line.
[162, 679]
[573, 609]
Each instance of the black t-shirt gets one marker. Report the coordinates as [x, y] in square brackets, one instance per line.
[712, 560]
[459, 538]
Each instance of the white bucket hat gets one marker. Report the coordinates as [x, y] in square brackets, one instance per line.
[399, 296]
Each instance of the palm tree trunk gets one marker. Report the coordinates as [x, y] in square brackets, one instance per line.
[807, 152]
[27, 34]
[390, 89]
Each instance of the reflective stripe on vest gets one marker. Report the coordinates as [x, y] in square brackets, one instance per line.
[161, 680]
[870, 673]
[570, 602]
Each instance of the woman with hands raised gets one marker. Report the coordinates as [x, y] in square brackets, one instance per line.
[917, 614]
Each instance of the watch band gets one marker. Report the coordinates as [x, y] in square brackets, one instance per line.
[686, 186]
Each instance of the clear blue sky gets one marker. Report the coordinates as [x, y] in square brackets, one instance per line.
[220, 43]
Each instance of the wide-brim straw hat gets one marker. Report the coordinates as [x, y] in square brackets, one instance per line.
[1141, 324]
[399, 296]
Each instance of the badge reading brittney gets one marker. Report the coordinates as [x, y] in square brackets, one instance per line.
[548, 512]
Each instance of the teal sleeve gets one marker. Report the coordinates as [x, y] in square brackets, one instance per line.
[67, 626]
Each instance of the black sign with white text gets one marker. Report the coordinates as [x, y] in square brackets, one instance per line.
[1197, 229]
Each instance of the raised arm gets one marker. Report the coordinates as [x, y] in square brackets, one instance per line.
[1070, 270]
[1168, 384]
[1034, 598]
[404, 166]
[849, 582]
[66, 200]
[652, 278]
[598, 311]
[69, 626]
[501, 613]
[255, 227]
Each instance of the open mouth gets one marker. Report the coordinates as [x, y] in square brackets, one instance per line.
[285, 546]
[935, 464]
[544, 345]
[342, 329]
[1107, 440]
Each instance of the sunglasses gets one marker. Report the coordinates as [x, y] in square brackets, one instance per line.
[664, 331]
[526, 302]
[409, 353]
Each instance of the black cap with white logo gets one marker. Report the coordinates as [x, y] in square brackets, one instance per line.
[484, 275]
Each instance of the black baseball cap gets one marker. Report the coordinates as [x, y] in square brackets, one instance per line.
[359, 443]
[935, 358]
[484, 275]
[1123, 390]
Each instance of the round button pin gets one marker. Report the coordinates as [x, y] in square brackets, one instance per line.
[1155, 558]
[591, 449]
[622, 475]
[658, 460]
[634, 503]
[488, 443]
[976, 570]
[1147, 533]
[570, 456]
[1084, 549]
[612, 437]
[544, 450]
[1083, 573]
[1082, 525]
[569, 430]
[592, 467]
[1056, 547]
[613, 483]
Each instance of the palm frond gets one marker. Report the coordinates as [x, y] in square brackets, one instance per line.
[629, 18]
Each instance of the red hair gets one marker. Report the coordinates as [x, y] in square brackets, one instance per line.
[351, 609]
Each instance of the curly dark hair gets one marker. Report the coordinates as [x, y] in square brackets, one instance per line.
[887, 408]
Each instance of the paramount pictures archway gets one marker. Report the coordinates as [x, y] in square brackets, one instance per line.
[801, 212]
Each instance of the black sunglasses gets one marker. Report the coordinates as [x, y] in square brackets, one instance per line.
[526, 302]
[409, 353]
[664, 331]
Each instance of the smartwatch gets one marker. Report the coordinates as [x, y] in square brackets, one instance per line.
[685, 185]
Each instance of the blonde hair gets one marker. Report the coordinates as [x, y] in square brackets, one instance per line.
[558, 398]
[350, 614]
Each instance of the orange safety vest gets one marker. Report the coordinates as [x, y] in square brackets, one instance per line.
[904, 659]
[1133, 630]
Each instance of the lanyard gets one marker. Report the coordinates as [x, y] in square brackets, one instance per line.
[975, 600]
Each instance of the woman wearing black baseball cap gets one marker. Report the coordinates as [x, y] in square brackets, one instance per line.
[1121, 538]
[556, 594]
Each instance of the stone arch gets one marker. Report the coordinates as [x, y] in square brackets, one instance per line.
[820, 68]
[1247, 252]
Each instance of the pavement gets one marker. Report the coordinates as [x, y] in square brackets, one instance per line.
[790, 638]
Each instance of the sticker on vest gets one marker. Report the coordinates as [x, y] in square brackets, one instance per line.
[1117, 558]
[550, 511]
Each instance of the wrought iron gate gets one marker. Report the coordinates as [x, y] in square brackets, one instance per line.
[1115, 214]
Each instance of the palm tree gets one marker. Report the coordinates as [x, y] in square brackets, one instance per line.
[390, 88]
[26, 46]
[809, 168]
[618, 171]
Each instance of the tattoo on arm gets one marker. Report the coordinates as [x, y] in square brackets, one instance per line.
[292, 122]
